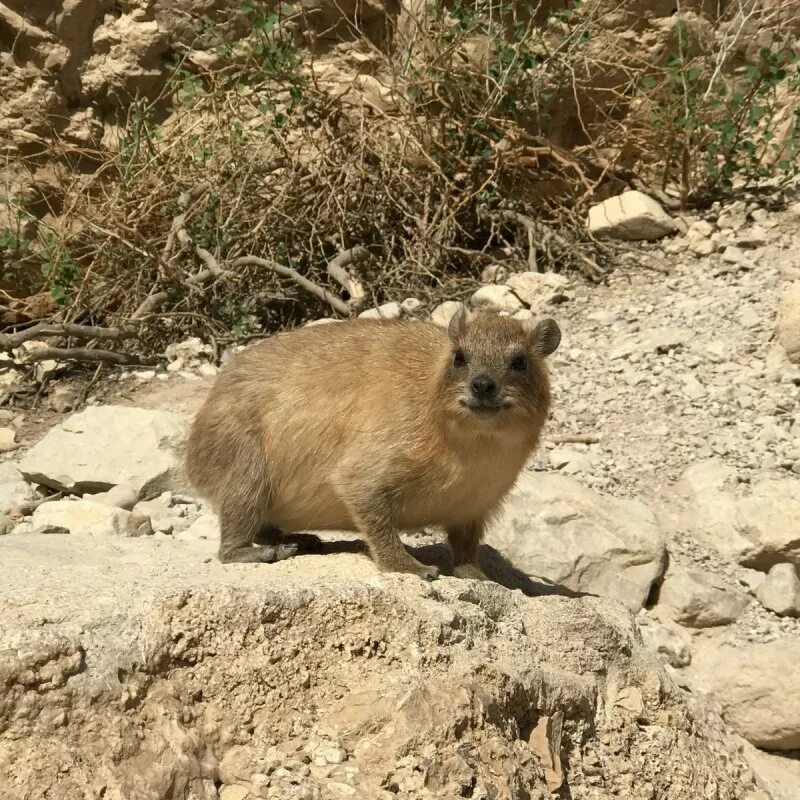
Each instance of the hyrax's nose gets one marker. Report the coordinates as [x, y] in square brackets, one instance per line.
[483, 387]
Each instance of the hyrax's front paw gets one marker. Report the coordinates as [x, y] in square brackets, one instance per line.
[425, 571]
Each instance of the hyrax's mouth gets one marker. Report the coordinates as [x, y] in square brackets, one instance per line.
[484, 408]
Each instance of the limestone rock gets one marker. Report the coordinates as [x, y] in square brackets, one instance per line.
[495, 298]
[758, 686]
[537, 289]
[13, 488]
[698, 599]
[553, 527]
[105, 446]
[780, 592]
[758, 528]
[83, 517]
[411, 663]
[117, 496]
[630, 216]
[789, 322]
[385, 311]
[443, 313]
[8, 440]
[670, 643]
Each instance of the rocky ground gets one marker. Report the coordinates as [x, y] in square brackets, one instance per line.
[669, 482]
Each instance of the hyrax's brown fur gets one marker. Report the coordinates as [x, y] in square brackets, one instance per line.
[375, 427]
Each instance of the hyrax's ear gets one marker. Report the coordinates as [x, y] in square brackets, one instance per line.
[546, 337]
[458, 323]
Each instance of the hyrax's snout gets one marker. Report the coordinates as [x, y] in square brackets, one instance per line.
[483, 387]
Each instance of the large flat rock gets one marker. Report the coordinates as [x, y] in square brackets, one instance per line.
[556, 528]
[105, 446]
[142, 668]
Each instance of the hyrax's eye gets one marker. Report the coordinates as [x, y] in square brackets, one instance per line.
[518, 363]
[459, 359]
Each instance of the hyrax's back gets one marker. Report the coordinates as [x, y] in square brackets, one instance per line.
[359, 425]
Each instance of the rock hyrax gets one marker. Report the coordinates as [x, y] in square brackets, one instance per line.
[376, 427]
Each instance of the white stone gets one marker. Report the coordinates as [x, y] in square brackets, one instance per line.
[118, 496]
[537, 289]
[443, 313]
[83, 517]
[13, 489]
[190, 350]
[698, 599]
[323, 321]
[780, 592]
[385, 311]
[161, 516]
[671, 644]
[758, 687]
[105, 446]
[495, 298]
[758, 527]
[410, 306]
[8, 440]
[553, 527]
[630, 216]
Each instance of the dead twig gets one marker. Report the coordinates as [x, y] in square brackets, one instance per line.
[29, 506]
[88, 355]
[575, 438]
[337, 271]
[9, 341]
[336, 303]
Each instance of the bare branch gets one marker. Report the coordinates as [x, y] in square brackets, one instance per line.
[337, 271]
[8, 341]
[336, 303]
[87, 355]
[575, 438]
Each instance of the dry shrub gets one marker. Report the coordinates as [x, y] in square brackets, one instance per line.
[477, 136]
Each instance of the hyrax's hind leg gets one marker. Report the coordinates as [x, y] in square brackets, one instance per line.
[243, 508]
[372, 515]
[464, 541]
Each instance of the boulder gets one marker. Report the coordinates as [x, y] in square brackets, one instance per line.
[537, 289]
[13, 488]
[553, 527]
[118, 496]
[780, 592]
[105, 446]
[83, 517]
[495, 298]
[697, 599]
[758, 687]
[759, 527]
[630, 216]
[438, 691]
[788, 323]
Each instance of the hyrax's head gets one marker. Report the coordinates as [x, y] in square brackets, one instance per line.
[495, 373]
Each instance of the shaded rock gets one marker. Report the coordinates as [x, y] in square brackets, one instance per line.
[105, 446]
[758, 528]
[788, 323]
[780, 592]
[495, 298]
[699, 599]
[758, 687]
[778, 775]
[83, 517]
[554, 527]
[630, 216]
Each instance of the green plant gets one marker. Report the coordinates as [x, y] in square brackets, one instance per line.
[719, 130]
[59, 269]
